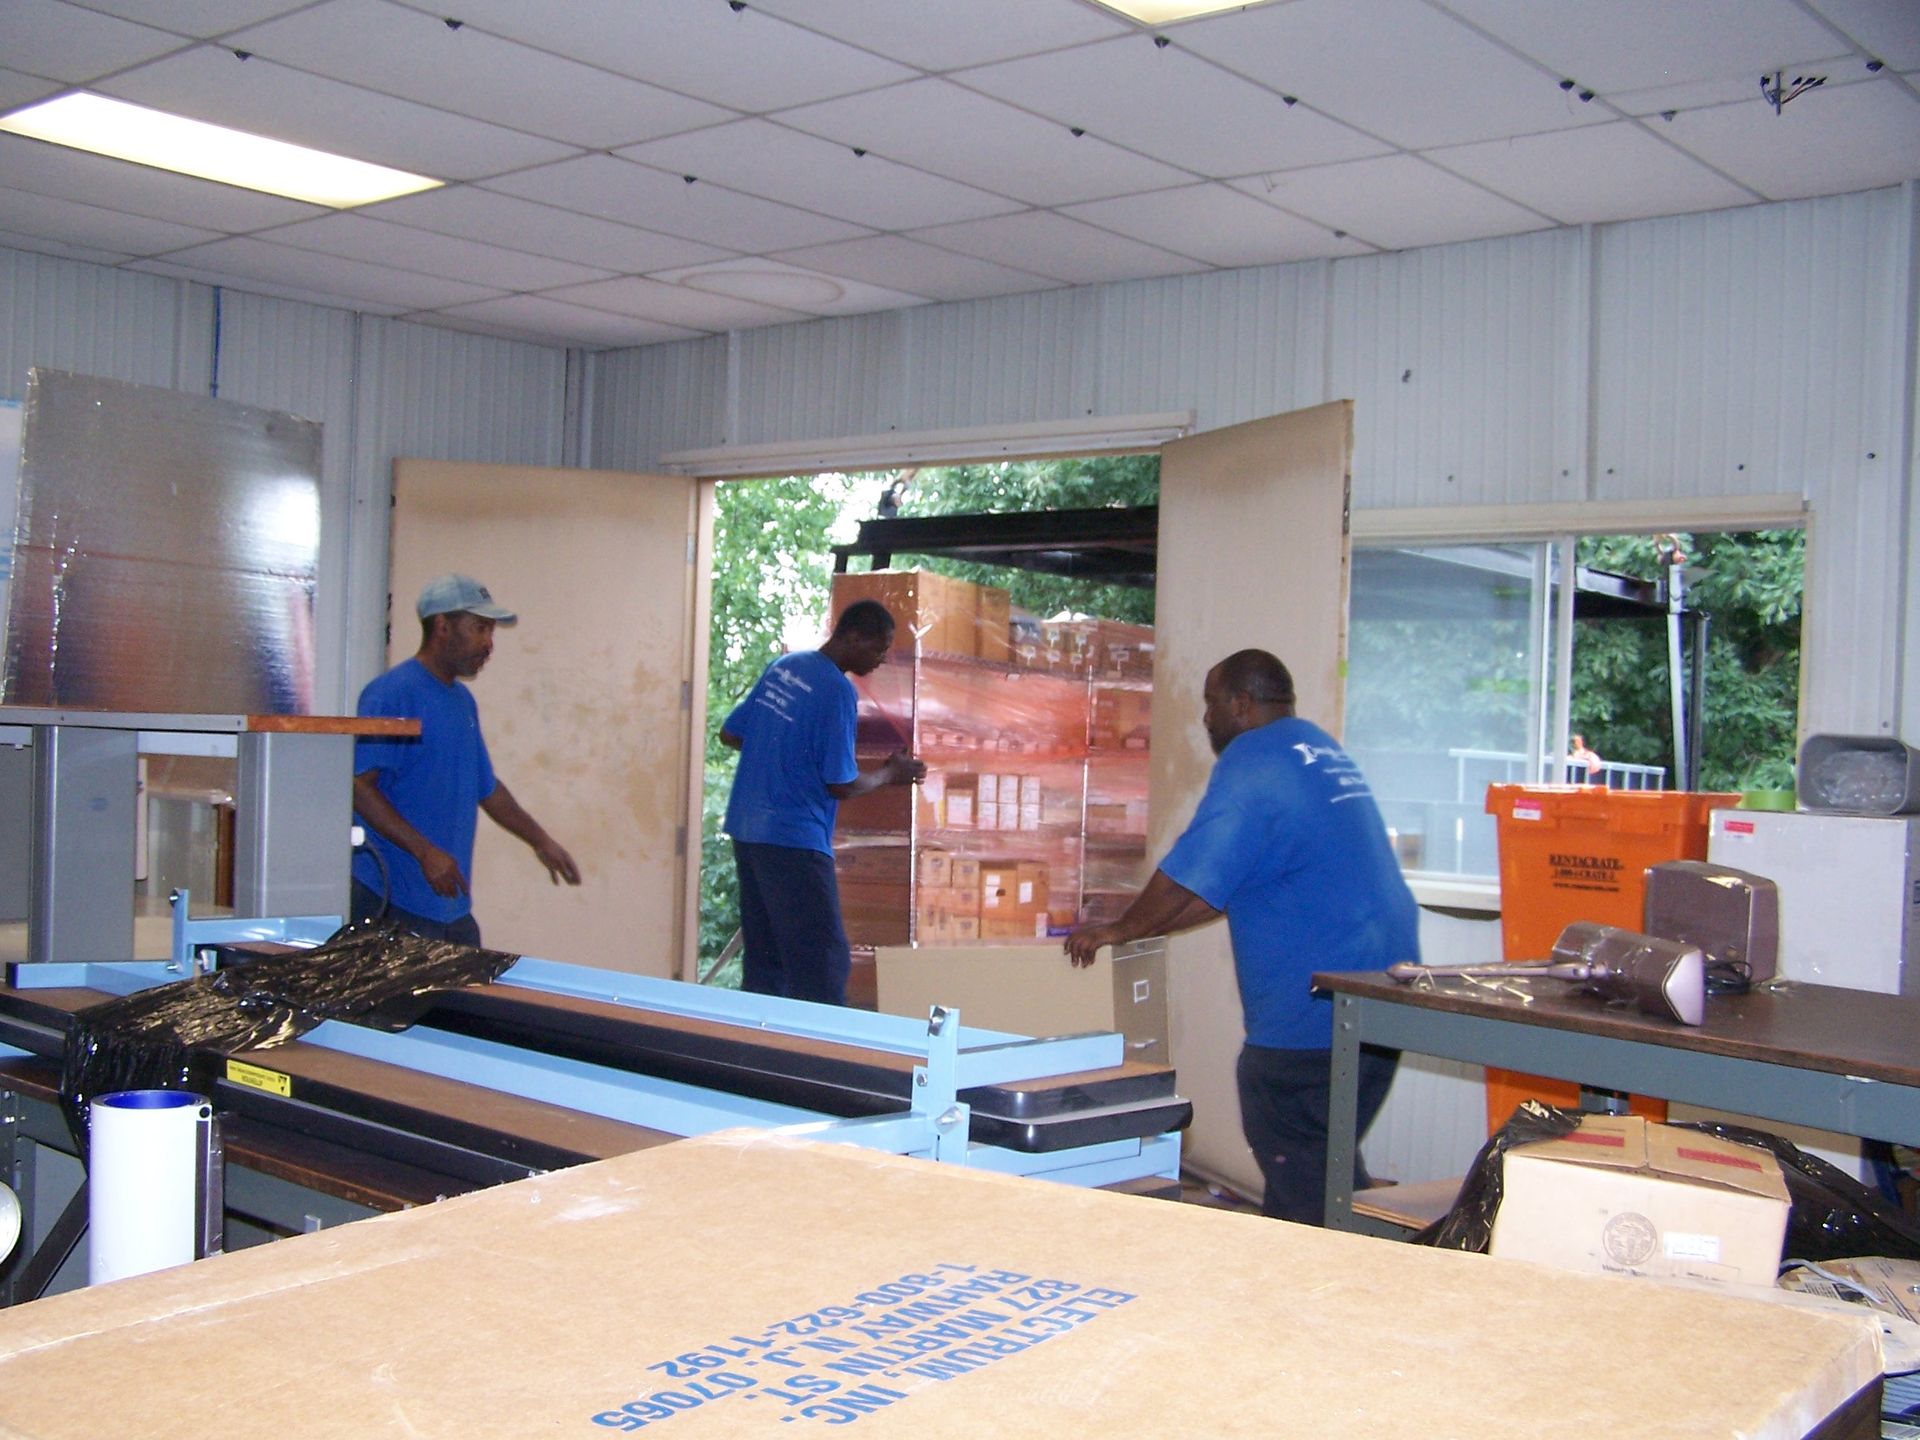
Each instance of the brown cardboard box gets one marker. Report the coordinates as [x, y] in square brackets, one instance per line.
[966, 876]
[1629, 1197]
[962, 803]
[936, 869]
[1122, 651]
[992, 636]
[1015, 927]
[937, 1301]
[933, 610]
[1031, 878]
[1122, 719]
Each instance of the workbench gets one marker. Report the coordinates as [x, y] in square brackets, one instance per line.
[1839, 1060]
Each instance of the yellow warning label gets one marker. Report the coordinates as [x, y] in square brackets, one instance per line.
[272, 1081]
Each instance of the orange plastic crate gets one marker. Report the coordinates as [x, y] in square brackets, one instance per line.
[1581, 852]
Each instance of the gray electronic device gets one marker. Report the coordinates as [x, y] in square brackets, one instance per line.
[1859, 775]
[1732, 915]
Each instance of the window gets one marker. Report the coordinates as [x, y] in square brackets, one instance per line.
[1471, 664]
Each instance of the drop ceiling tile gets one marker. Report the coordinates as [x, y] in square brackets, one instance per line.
[764, 281]
[1218, 224]
[674, 304]
[761, 158]
[1395, 202]
[1171, 105]
[359, 237]
[1399, 69]
[1067, 250]
[65, 42]
[17, 89]
[1640, 44]
[257, 285]
[902, 264]
[65, 250]
[141, 190]
[615, 189]
[743, 59]
[354, 281]
[1600, 173]
[410, 54]
[1689, 95]
[203, 19]
[208, 83]
[1828, 141]
[947, 34]
[94, 227]
[475, 214]
[950, 130]
[1887, 30]
[539, 317]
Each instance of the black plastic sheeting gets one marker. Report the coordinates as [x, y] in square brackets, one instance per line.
[176, 1037]
[1833, 1216]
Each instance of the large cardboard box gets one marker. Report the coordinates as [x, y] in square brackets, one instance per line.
[938, 613]
[756, 1285]
[1624, 1196]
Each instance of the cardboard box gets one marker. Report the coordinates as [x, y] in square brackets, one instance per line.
[993, 632]
[937, 1301]
[936, 869]
[962, 807]
[966, 876]
[1122, 719]
[1624, 1196]
[930, 612]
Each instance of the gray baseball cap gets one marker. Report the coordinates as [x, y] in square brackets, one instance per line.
[450, 594]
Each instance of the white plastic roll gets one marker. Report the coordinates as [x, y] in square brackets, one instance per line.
[143, 1182]
[9, 1222]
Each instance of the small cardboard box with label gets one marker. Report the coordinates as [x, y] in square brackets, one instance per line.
[1624, 1196]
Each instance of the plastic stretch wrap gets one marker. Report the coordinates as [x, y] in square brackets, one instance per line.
[172, 1036]
[1833, 1216]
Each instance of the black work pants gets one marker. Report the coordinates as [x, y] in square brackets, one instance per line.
[1283, 1112]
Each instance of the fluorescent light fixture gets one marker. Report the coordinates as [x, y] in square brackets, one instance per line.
[1159, 12]
[212, 152]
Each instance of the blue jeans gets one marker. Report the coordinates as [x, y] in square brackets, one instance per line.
[465, 930]
[1283, 1113]
[790, 923]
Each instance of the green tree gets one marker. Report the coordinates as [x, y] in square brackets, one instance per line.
[1750, 585]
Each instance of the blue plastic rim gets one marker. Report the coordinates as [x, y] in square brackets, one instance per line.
[148, 1099]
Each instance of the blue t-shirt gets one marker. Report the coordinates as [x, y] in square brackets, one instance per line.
[436, 782]
[796, 738]
[1288, 842]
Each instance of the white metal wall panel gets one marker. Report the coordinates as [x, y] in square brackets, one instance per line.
[820, 378]
[286, 355]
[1467, 366]
[656, 400]
[117, 324]
[1756, 351]
[1232, 346]
[1009, 360]
[434, 394]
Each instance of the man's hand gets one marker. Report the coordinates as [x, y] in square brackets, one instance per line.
[442, 872]
[559, 863]
[902, 769]
[1082, 943]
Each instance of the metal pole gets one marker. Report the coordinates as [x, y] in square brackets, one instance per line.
[1683, 767]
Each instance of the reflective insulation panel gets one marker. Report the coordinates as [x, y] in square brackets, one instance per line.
[165, 553]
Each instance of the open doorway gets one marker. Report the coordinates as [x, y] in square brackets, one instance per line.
[773, 566]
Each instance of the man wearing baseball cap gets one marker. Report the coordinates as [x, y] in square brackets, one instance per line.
[420, 799]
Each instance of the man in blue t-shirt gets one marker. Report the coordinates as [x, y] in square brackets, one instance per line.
[420, 798]
[1287, 844]
[794, 732]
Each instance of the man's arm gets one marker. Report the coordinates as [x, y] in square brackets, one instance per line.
[899, 768]
[1165, 907]
[440, 868]
[508, 814]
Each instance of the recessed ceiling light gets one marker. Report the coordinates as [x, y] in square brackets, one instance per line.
[1159, 12]
[212, 152]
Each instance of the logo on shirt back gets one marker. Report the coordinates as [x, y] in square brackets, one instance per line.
[1341, 771]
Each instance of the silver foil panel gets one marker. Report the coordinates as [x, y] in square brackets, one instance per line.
[165, 553]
